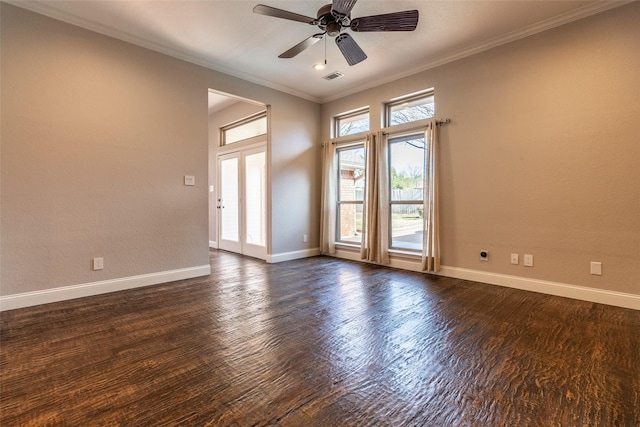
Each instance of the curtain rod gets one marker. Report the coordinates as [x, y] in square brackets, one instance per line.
[442, 122]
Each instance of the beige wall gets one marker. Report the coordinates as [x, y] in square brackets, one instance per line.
[543, 154]
[295, 177]
[96, 137]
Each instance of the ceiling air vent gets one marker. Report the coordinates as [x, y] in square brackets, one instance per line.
[333, 75]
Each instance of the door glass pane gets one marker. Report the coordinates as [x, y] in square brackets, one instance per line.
[255, 201]
[229, 229]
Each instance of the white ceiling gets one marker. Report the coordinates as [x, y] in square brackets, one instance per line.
[227, 36]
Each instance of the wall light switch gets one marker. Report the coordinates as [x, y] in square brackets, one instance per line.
[98, 263]
[189, 180]
[596, 268]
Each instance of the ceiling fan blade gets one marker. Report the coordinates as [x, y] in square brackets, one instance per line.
[262, 9]
[396, 21]
[302, 46]
[350, 49]
[342, 7]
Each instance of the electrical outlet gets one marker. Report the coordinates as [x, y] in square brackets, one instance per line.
[514, 259]
[98, 263]
[304, 238]
[596, 268]
[189, 180]
[484, 255]
[528, 260]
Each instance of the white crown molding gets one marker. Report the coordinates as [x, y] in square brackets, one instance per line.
[43, 8]
[28, 299]
[574, 15]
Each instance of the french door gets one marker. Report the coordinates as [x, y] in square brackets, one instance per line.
[242, 203]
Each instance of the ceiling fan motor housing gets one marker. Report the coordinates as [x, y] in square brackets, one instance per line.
[327, 21]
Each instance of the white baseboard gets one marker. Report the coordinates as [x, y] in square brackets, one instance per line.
[288, 256]
[213, 244]
[601, 296]
[27, 299]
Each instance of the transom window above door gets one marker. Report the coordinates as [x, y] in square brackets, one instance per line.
[249, 127]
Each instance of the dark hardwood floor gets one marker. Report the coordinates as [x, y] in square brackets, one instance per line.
[320, 342]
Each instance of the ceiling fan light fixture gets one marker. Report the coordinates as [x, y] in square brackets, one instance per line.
[335, 17]
[333, 29]
[322, 65]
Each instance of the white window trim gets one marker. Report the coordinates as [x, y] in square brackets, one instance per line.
[398, 135]
[386, 110]
[398, 131]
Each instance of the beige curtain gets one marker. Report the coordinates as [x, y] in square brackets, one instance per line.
[369, 216]
[375, 244]
[328, 214]
[431, 235]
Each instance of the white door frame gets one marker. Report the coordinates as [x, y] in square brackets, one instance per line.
[241, 246]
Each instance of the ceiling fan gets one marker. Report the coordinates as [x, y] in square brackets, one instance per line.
[335, 17]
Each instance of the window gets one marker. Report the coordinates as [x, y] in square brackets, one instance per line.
[410, 109]
[351, 123]
[350, 193]
[399, 161]
[406, 173]
[252, 126]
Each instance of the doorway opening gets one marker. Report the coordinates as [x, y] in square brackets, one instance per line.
[238, 175]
